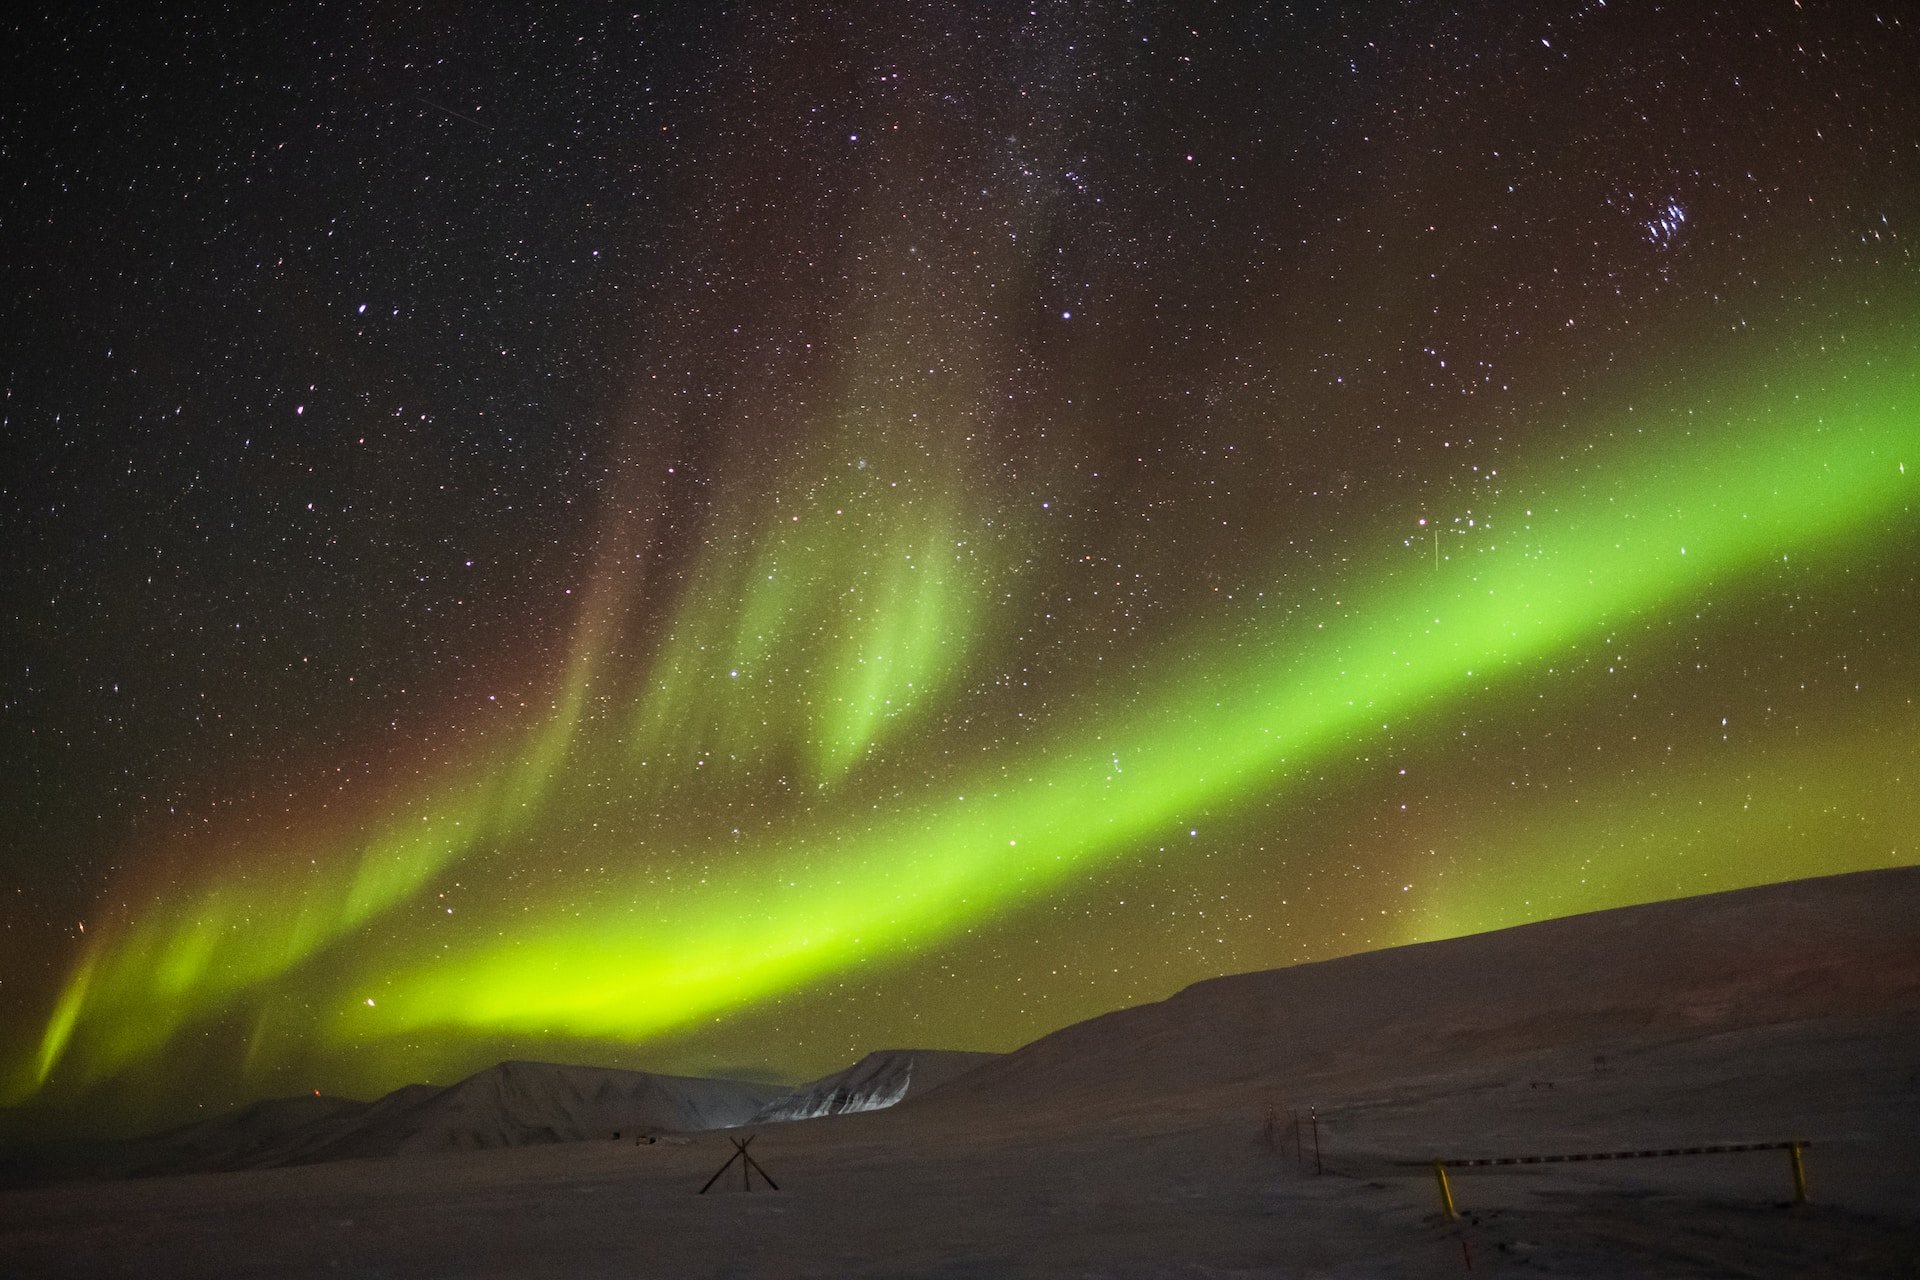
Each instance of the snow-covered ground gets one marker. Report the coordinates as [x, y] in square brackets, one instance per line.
[1139, 1144]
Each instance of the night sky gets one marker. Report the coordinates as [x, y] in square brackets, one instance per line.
[727, 536]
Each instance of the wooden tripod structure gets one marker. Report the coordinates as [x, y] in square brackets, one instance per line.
[748, 1166]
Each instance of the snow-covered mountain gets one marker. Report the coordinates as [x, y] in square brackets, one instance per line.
[879, 1080]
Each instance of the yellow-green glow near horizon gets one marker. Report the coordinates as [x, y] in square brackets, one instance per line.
[1745, 821]
[1679, 503]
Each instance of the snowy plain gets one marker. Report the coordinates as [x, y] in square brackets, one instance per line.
[1160, 1141]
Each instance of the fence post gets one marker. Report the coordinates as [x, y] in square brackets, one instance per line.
[1446, 1191]
[1799, 1173]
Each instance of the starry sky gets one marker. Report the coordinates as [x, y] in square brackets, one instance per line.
[719, 537]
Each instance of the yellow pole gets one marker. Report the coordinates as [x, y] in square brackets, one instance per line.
[1446, 1192]
[1799, 1174]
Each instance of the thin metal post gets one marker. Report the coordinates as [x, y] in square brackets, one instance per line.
[717, 1172]
[771, 1184]
[1799, 1173]
[1314, 1115]
[1446, 1192]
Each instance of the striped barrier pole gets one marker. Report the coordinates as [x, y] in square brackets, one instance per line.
[1795, 1154]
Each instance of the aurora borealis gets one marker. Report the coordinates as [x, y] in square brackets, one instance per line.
[727, 538]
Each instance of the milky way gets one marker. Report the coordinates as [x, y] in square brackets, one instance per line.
[721, 541]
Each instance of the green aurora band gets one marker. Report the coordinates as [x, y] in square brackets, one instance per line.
[799, 644]
[1571, 549]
